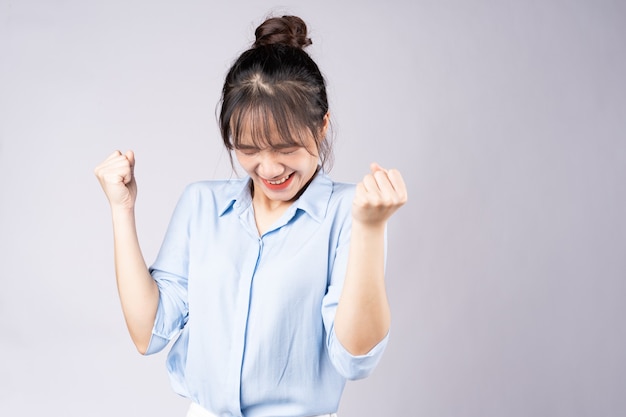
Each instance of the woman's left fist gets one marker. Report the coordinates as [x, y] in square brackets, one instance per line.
[378, 196]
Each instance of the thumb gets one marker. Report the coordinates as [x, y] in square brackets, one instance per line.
[128, 177]
[375, 167]
[130, 155]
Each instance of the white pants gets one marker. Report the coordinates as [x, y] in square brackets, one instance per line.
[196, 410]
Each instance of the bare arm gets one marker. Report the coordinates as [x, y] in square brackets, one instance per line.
[139, 294]
[363, 317]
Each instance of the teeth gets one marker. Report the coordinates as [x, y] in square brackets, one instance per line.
[279, 181]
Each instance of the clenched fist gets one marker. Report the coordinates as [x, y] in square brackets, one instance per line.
[116, 176]
[378, 196]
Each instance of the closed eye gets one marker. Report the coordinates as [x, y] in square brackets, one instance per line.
[249, 151]
[288, 151]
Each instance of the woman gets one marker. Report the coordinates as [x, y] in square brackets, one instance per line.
[273, 284]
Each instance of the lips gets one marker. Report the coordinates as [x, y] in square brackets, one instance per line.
[279, 184]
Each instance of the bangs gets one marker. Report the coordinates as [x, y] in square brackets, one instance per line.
[269, 119]
[262, 128]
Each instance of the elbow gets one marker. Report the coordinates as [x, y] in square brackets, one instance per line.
[360, 348]
[356, 366]
[142, 349]
[361, 343]
[142, 343]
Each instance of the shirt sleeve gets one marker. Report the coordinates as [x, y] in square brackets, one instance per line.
[348, 365]
[170, 271]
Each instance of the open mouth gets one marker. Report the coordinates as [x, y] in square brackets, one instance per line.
[280, 183]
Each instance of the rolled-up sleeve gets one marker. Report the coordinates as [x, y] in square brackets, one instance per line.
[173, 310]
[349, 366]
[170, 271]
[355, 366]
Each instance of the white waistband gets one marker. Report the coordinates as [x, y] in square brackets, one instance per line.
[196, 410]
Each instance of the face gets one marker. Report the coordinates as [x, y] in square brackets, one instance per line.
[278, 173]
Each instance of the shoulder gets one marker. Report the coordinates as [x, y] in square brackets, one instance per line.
[337, 189]
[343, 189]
[215, 193]
[215, 187]
[341, 197]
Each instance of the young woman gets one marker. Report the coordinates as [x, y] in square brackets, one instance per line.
[272, 285]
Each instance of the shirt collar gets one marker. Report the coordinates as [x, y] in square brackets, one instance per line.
[313, 201]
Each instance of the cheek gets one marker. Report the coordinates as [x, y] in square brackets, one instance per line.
[312, 162]
[304, 160]
[246, 162]
[243, 158]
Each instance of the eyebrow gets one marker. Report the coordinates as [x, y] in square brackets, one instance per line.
[276, 146]
[285, 146]
[246, 147]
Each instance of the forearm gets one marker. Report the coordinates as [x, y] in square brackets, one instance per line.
[363, 317]
[139, 294]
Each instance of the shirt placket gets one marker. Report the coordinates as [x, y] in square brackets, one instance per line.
[242, 310]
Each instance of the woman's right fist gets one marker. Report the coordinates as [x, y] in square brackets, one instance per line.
[116, 176]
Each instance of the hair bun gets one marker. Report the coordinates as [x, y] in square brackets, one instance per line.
[286, 30]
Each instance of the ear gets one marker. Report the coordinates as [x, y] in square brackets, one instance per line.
[325, 124]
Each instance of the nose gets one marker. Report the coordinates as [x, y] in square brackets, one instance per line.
[269, 165]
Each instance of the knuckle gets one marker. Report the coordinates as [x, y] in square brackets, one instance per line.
[377, 202]
[380, 175]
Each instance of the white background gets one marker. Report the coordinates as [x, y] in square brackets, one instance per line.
[506, 269]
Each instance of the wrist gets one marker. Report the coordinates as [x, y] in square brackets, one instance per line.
[368, 227]
[122, 210]
[367, 233]
[121, 214]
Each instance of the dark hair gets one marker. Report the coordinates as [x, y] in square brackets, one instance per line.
[276, 85]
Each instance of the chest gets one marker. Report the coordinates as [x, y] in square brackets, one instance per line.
[236, 266]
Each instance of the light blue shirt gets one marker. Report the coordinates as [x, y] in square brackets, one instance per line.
[256, 312]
